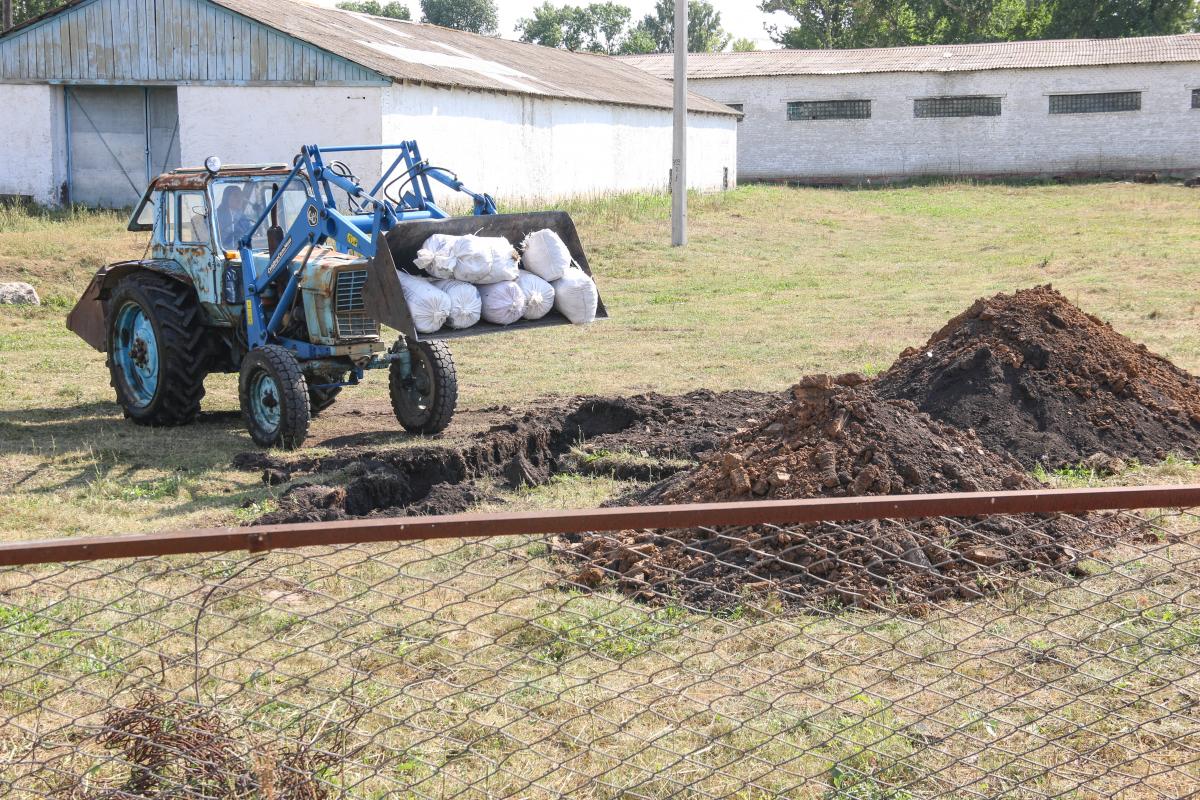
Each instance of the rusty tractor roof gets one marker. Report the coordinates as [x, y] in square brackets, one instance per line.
[199, 177]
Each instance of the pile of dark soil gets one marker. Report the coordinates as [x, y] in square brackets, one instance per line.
[837, 438]
[1037, 378]
[666, 432]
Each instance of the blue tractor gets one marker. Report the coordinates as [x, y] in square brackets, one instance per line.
[287, 275]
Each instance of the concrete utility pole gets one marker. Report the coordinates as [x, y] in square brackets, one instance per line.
[6, 20]
[679, 154]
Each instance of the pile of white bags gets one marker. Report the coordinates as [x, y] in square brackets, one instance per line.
[465, 305]
[429, 305]
[575, 296]
[539, 295]
[545, 255]
[477, 277]
[503, 303]
[470, 258]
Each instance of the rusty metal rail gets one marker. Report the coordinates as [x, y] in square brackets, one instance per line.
[453, 526]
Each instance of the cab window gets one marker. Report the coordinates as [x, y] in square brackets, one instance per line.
[193, 218]
[241, 202]
[165, 230]
[145, 217]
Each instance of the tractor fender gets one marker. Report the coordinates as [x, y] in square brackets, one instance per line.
[86, 319]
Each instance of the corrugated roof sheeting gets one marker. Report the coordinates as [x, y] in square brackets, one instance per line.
[932, 58]
[407, 51]
[170, 41]
[287, 42]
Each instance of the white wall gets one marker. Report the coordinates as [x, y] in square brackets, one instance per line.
[1025, 139]
[253, 125]
[519, 147]
[34, 135]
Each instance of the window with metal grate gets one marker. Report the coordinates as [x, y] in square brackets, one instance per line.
[964, 106]
[1096, 103]
[828, 109]
[1195, 98]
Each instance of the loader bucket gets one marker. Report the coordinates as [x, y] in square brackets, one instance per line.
[405, 239]
[383, 299]
[86, 319]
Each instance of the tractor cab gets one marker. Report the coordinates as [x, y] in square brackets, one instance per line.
[198, 217]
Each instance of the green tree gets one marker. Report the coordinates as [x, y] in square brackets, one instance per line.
[28, 9]
[656, 32]
[743, 45]
[1110, 18]
[639, 41]
[882, 23]
[598, 27]
[392, 10]
[476, 16]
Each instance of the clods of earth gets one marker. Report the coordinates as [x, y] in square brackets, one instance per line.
[1014, 382]
[1037, 378]
[836, 438]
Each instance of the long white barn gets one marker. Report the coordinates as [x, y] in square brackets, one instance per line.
[102, 95]
[1074, 107]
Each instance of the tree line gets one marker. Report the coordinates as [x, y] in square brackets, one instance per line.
[609, 27]
[821, 24]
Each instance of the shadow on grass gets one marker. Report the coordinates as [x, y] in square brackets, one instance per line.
[95, 438]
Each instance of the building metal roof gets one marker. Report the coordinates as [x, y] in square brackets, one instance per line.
[403, 52]
[932, 58]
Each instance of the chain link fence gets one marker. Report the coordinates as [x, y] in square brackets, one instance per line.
[801, 661]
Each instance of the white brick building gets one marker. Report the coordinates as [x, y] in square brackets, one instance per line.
[103, 95]
[1074, 107]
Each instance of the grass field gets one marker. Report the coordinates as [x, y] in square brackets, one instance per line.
[776, 283]
[482, 675]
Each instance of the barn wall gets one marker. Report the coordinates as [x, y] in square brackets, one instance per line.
[168, 41]
[251, 125]
[520, 147]
[1025, 139]
[34, 162]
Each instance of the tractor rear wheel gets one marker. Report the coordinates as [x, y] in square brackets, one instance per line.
[274, 397]
[156, 352]
[424, 400]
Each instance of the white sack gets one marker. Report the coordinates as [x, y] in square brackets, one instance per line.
[575, 296]
[502, 264]
[428, 305]
[539, 295]
[503, 303]
[465, 305]
[483, 259]
[545, 255]
[435, 256]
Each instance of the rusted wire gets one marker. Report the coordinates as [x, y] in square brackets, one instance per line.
[454, 526]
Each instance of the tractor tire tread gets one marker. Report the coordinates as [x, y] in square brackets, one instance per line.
[177, 313]
[444, 402]
[293, 427]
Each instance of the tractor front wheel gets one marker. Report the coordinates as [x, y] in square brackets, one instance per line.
[274, 397]
[156, 356]
[424, 399]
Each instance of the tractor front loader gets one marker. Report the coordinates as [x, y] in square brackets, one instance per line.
[286, 275]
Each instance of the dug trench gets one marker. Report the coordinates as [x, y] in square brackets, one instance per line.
[641, 438]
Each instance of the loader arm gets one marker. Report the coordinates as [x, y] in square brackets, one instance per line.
[320, 222]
